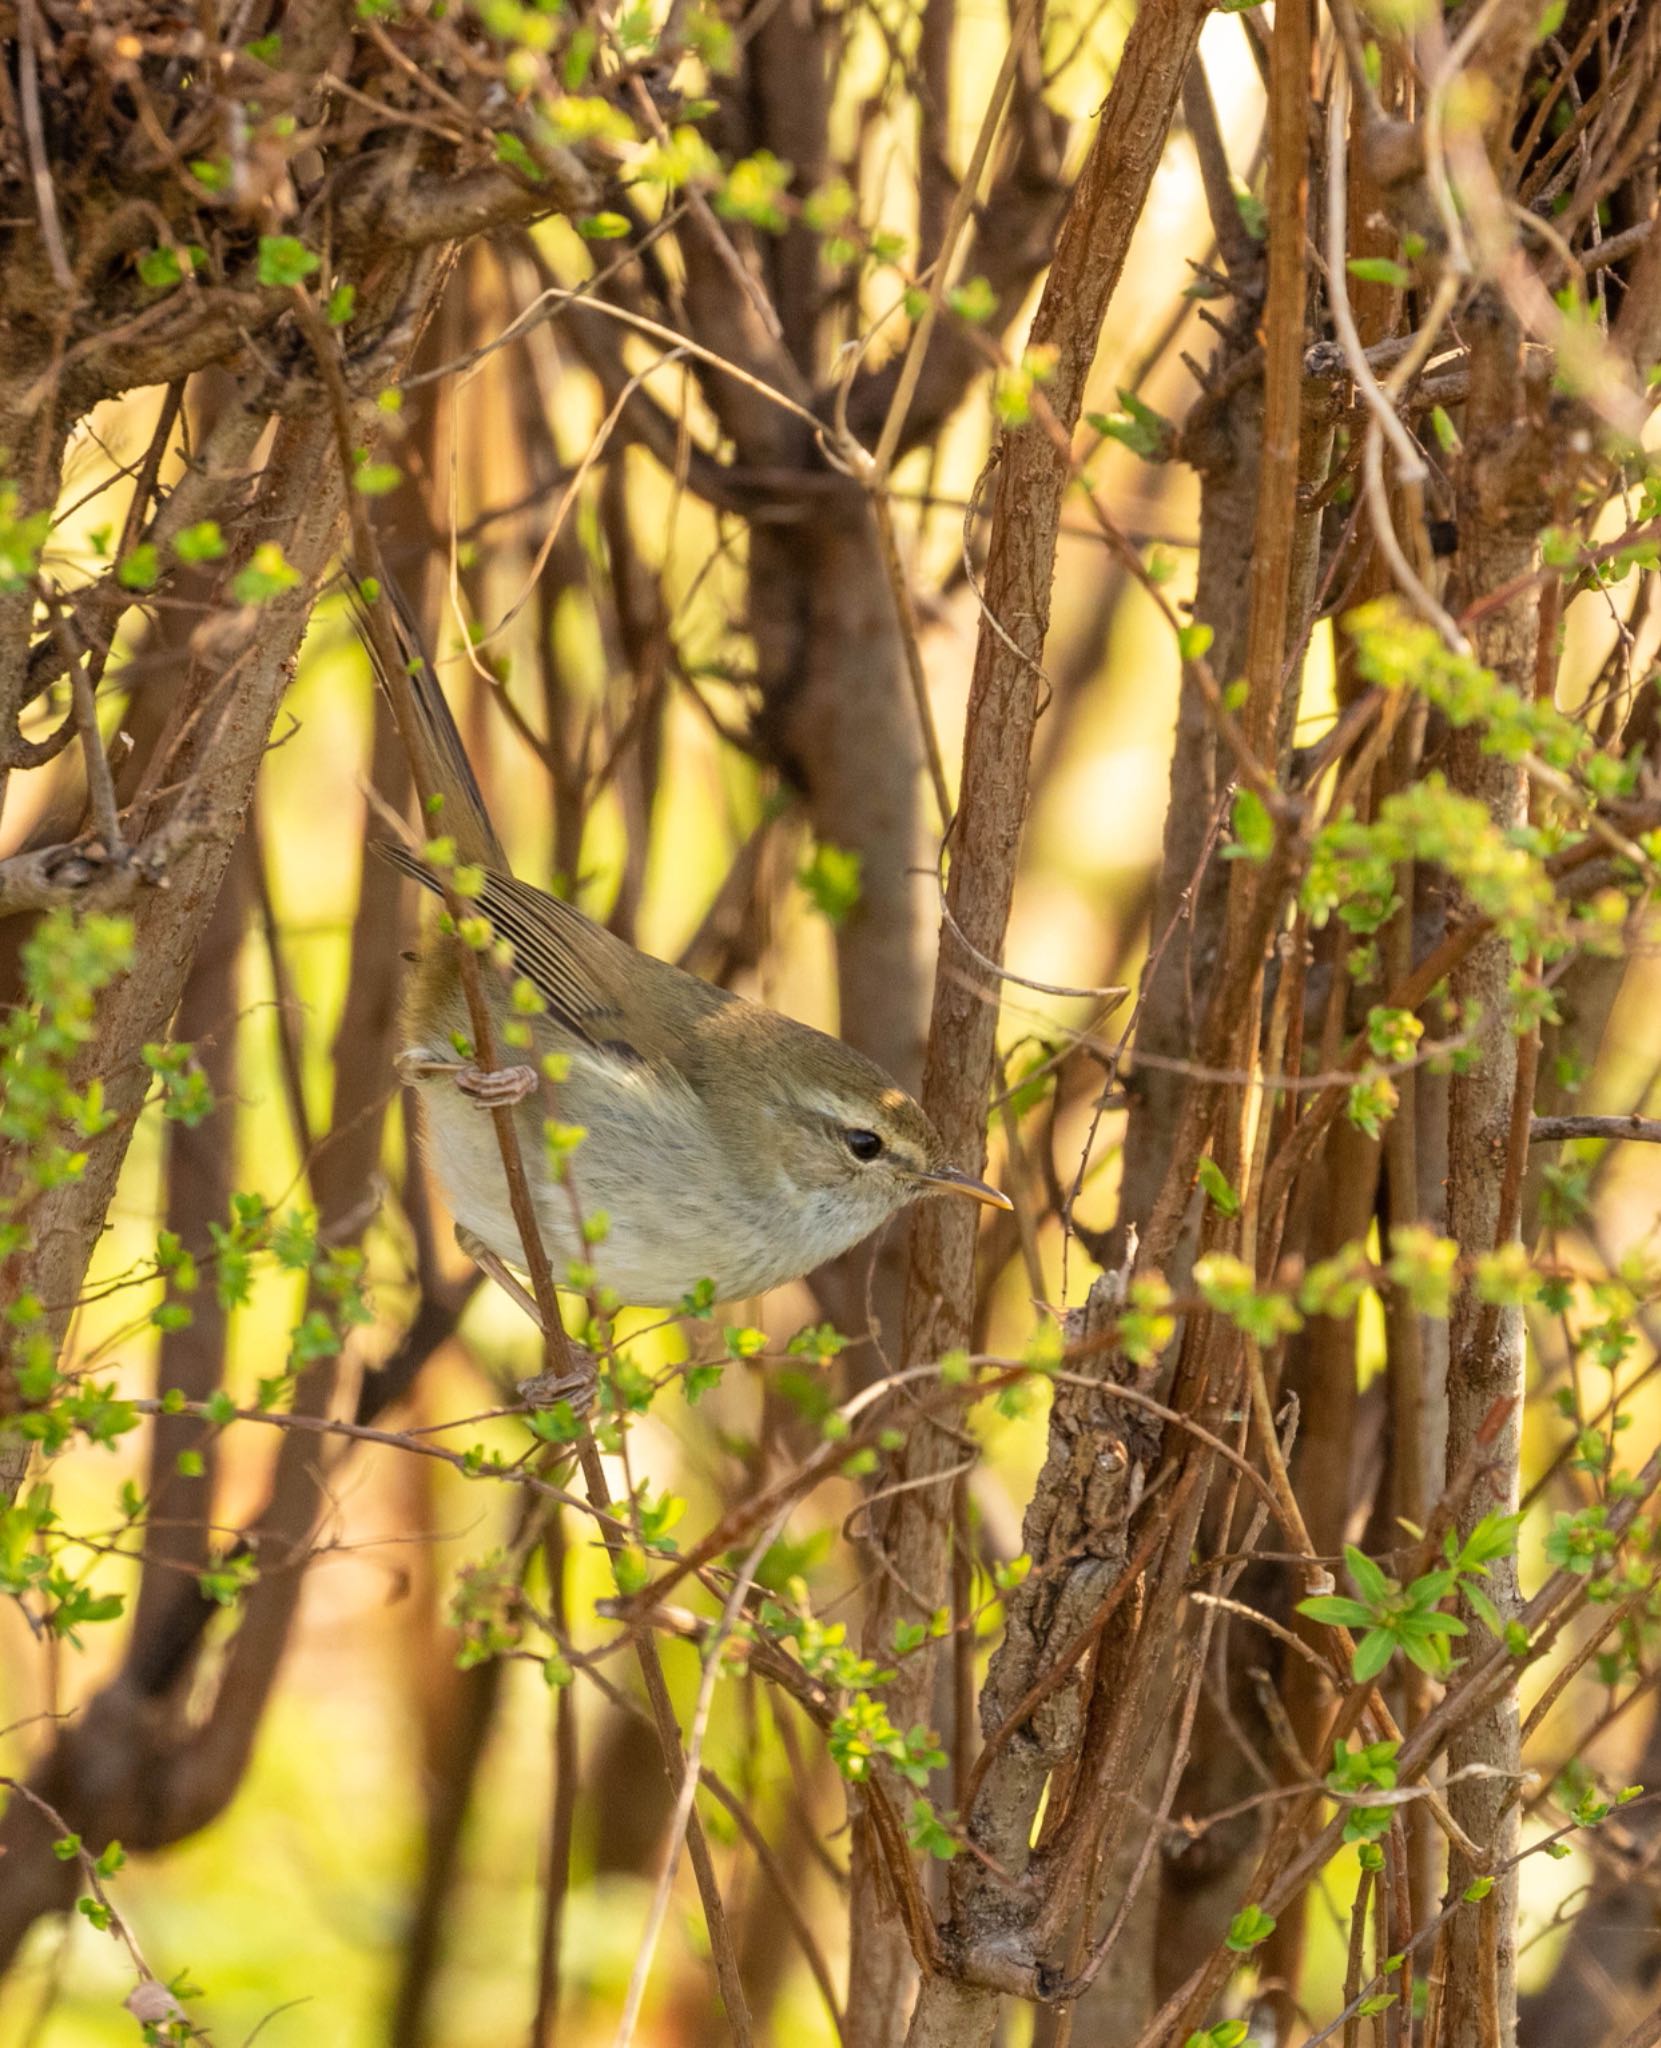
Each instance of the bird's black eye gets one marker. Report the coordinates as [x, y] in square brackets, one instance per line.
[864, 1145]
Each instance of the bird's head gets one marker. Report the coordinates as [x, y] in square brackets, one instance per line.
[845, 1132]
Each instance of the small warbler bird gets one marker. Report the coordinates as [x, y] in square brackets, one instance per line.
[723, 1143]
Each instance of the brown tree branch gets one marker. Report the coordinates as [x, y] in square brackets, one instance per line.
[1031, 476]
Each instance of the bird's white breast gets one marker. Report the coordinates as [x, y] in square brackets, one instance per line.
[676, 1212]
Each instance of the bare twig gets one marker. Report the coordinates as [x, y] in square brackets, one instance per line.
[40, 170]
[1634, 1129]
[714, 1650]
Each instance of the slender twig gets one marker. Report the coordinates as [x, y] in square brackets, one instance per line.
[713, 1654]
[1634, 1129]
[363, 1433]
[106, 820]
[1385, 423]
[533, 576]
[899, 405]
[40, 169]
[906, 610]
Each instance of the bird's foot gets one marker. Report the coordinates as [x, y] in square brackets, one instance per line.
[548, 1389]
[500, 1088]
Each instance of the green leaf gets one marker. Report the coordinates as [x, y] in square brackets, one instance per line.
[1138, 427]
[284, 260]
[1485, 1610]
[700, 1302]
[831, 877]
[1493, 1537]
[510, 150]
[267, 575]
[1335, 1609]
[1254, 829]
[1194, 641]
[1372, 1653]
[202, 542]
[1426, 1590]
[1393, 1034]
[1249, 1926]
[139, 570]
[160, 268]
[1217, 1189]
[1370, 1103]
[1375, 1587]
[21, 539]
[822, 1341]
[1430, 1655]
[926, 1832]
[628, 1568]
[752, 190]
[556, 1424]
[579, 55]
[315, 1337]
[1447, 434]
[975, 301]
[1379, 270]
[604, 227]
[343, 303]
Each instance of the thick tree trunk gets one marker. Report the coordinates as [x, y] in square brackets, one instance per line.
[1485, 1343]
[302, 501]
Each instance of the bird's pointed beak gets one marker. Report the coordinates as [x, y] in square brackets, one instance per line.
[955, 1183]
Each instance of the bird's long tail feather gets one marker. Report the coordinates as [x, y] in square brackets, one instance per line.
[430, 732]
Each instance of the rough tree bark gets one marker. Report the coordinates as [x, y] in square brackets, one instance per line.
[1501, 508]
[1031, 474]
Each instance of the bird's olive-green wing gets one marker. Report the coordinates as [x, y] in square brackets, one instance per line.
[618, 999]
[594, 985]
